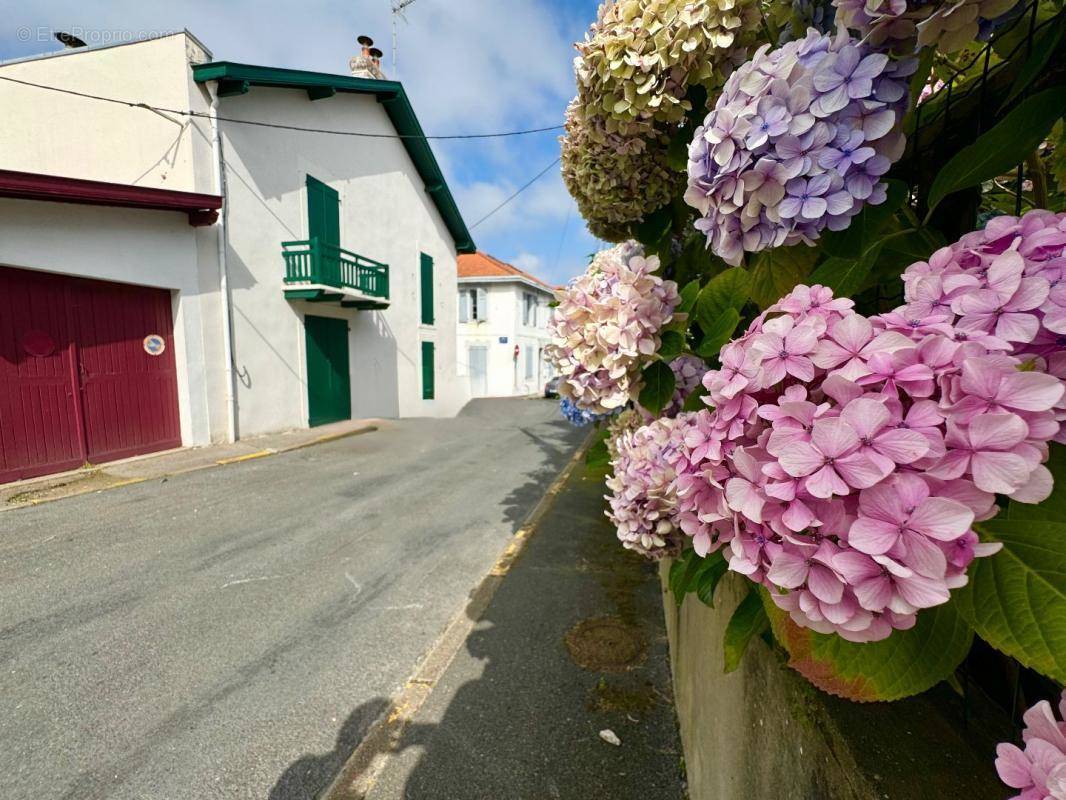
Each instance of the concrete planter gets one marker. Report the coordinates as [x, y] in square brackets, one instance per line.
[764, 732]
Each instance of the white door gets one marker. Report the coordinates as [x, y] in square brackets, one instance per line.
[479, 371]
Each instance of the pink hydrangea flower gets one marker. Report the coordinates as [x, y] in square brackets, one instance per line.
[1038, 770]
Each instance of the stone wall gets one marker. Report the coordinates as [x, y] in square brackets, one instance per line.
[764, 732]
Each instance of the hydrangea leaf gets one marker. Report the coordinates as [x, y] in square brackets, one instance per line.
[659, 384]
[1016, 600]
[710, 575]
[682, 575]
[650, 231]
[748, 620]
[719, 332]
[905, 664]
[597, 455]
[846, 276]
[862, 232]
[776, 272]
[1045, 43]
[688, 296]
[694, 402]
[673, 343]
[1003, 147]
[727, 291]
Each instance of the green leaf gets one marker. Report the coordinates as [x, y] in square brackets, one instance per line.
[677, 150]
[862, 231]
[906, 663]
[1045, 43]
[710, 574]
[1016, 599]
[777, 272]
[845, 276]
[659, 384]
[673, 344]
[747, 621]
[689, 294]
[1003, 147]
[682, 576]
[694, 402]
[651, 230]
[597, 455]
[729, 290]
[718, 334]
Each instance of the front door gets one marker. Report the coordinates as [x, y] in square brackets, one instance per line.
[479, 371]
[329, 387]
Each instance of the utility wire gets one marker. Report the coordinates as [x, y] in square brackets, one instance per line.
[525, 186]
[279, 126]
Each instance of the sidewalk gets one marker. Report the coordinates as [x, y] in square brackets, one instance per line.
[157, 466]
[571, 643]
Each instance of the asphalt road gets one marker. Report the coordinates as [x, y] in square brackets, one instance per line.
[232, 633]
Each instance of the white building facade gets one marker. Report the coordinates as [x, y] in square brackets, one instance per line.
[321, 290]
[503, 328]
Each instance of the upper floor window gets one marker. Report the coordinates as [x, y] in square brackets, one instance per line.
[529, 309]
[473, 305]
[427, 289]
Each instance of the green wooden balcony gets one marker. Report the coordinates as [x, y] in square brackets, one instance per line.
[322, 272]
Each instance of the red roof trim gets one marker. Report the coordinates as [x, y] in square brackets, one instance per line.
[201, 208]
[504, 270]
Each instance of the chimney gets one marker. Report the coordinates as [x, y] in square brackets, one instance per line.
[368, 63]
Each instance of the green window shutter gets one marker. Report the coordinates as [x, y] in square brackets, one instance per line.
[427, 290]
[428, 373]
[323, 212]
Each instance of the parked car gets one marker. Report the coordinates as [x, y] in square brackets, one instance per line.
[551, 388]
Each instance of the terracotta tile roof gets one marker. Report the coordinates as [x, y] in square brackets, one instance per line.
[482, 265]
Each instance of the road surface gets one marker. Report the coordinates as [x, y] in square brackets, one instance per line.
[232, 633]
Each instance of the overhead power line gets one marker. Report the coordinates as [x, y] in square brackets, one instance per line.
[277, 125]
[525, 186]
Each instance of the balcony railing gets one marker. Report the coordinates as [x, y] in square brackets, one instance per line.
[313, 262]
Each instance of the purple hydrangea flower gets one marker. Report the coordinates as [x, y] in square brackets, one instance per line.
[796, 143]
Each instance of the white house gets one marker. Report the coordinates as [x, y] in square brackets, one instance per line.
[284, 277]
[503, 327]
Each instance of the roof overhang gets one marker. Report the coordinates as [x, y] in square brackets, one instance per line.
[235, 79]
[202, 209]
[507, 279]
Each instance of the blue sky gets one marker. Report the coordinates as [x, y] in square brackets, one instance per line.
[469, 66]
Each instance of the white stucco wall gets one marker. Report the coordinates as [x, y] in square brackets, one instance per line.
[60, 134]
[146, 248]
[506, 376]
[385, 215]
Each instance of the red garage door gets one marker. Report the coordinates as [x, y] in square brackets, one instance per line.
[86, 373]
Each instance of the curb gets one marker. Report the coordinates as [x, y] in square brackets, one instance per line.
[223, 462]
[360, 772]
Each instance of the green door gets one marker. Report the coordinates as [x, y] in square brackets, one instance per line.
[323, 212]
[329, 386]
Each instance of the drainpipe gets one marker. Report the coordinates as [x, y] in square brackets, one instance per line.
[223, 283]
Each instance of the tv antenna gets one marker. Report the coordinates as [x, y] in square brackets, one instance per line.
[397, 12]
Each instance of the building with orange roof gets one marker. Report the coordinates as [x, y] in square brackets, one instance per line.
[503, 327]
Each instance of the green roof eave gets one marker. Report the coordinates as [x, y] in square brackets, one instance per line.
[238, 78]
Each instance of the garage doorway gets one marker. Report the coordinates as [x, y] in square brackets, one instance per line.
[87, 373]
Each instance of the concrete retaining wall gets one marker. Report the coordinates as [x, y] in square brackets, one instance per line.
[764, 732]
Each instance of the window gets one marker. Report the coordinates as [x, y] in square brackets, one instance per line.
[473, 305]
[427, 290]
[529, 363]
[428, 371]
[529, 309]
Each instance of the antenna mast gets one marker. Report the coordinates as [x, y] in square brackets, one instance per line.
[397, 11]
